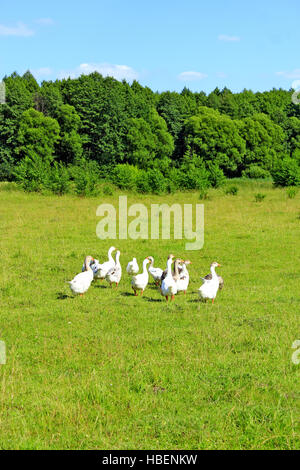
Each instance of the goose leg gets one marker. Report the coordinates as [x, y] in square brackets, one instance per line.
[167, 298]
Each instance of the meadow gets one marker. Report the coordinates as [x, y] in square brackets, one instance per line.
[114, 371]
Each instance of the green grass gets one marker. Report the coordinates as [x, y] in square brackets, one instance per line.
[113, 371]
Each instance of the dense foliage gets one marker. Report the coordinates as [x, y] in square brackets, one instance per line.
[71, 134]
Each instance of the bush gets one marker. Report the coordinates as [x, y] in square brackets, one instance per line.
[174, 180]
[259, 197]
[287, 173]
[232, 190]
[142, 182]
[108, 190]
[216, 175]
[58, 180]
[32, 173]
[7, 165]
[255, 172]
[194, 178]
[157, 182]
[85, 176]
[291, 192]
[125, 176]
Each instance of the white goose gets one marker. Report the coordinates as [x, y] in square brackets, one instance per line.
[140, 281]
[114, 274]
[132, 267]
[81, 282]
[156, 273]
[210, 287]
[105, 267]
[168, 285]
[184, 278]
[94, 265]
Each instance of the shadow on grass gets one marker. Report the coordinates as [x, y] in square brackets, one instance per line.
[63, 296]
[150, 299]
[128, 294]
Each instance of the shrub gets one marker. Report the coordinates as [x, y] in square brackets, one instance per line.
[124, 176]
[255, 172]
[291, 192]
[108, 190]
[85, 176]
[142, 182]
[216, 175]
[287, 173]
[174, 180]
[157, 182]
[32, 173]
[259, 197]
[194, 178]
[232, 190]
[58, 179]
[7, 165]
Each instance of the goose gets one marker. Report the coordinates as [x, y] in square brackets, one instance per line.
[221, 280]
[132, 267]
[140, 281]
[94, 264]
[114, 274]
[165, 272]
[82, 281]
[156, 273]
[105, 267]
[176, 271]
[210, 287]
[168, 285]
[184, 277]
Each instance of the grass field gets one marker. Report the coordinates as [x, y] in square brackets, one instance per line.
[111, 371]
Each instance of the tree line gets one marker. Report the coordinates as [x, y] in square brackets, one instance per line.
[73, 133]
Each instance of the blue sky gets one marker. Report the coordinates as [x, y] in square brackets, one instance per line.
[166, 44]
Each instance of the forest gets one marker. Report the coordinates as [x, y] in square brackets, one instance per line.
[70, 135]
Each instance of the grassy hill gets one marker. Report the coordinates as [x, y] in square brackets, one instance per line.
[111, 370]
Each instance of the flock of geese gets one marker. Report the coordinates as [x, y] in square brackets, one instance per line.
[169, 281]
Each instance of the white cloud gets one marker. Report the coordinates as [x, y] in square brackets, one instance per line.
[227, 38]
[42, 72]
[119, 72]
[44, 21]
[19, 30]
[293, 75]
[191, 76]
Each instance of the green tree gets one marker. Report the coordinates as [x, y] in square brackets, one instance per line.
[215, 137]
[37, 135]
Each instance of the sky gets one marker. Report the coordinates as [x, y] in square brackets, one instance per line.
[164, 44]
